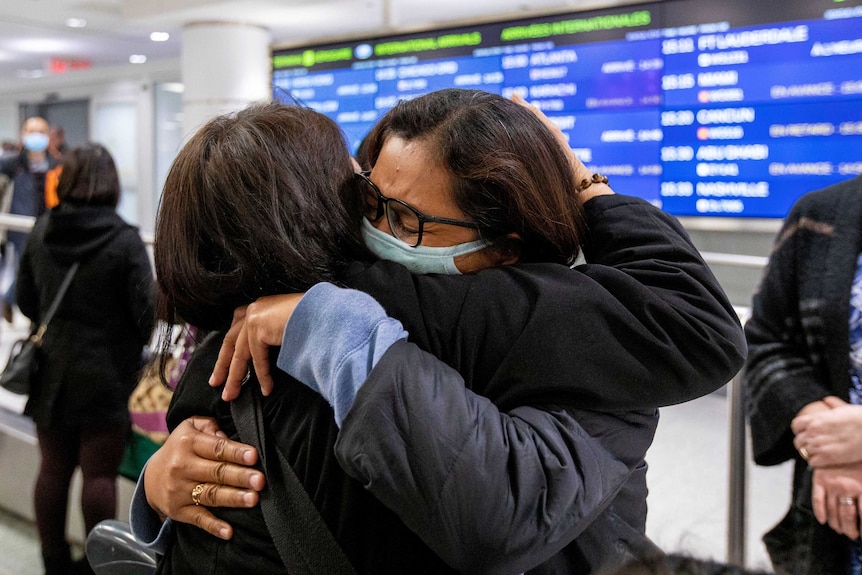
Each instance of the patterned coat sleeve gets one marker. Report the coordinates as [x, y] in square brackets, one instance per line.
[784, 370]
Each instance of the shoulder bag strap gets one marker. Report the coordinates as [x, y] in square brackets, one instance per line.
[43, 325]
[304, 542]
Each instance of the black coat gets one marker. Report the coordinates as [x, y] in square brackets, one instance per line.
[496, 473]
[799, 342]
[91, 353]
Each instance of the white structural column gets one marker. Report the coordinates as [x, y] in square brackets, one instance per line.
[225, 66]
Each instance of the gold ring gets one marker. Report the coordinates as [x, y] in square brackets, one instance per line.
[804, 453]
[196, 493]
[846, 501]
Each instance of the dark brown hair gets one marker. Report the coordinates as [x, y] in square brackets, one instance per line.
[258, 202]
[89, 177]
[511, 174]
[677, 564]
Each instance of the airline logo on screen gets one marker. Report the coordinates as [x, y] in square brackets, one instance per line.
[364, 51]
[393, 47]
[701, 107]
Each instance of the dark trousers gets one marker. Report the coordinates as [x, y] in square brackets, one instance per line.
[98, 452]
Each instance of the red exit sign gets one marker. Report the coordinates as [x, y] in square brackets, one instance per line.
[60, 65]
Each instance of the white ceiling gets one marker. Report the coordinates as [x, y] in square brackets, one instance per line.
[32, 32]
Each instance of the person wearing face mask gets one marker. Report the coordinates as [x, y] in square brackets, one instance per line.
[417, 258]
[28, 171]
[400, 243]
[500, 472]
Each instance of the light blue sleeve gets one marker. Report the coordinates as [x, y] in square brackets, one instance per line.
[150, 531]
[333, 340]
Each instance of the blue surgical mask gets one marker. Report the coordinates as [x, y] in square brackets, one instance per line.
[421, 259]
[36, 142]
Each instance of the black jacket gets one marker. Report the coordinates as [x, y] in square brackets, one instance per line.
[91, 353]
[497, 476]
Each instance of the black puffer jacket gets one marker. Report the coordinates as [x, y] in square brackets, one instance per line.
[91, 354]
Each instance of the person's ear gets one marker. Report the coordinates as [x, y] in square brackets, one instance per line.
[508, 250]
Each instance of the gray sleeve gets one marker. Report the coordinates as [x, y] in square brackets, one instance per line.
[150, 531]
[333, 340]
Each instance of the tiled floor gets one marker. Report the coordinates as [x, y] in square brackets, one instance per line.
[20, 550]
[688, 478]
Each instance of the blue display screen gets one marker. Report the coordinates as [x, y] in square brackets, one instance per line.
[704, 108]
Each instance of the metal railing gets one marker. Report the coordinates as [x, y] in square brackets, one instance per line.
[16, 223]
[737, 431]
[736, 481]
[25, 224]
[737, 260]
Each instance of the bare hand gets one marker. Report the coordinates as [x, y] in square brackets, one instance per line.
[196, 452]
[830, 436]
[832, 486]
[255, 328]
[581, 172]
[817, 406]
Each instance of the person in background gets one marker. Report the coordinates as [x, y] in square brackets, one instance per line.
[28, 170]
[9, 148]
[91, 354]
[5, 197]
[832, 442]
[803, 379]
[57, 141]
[56, 147]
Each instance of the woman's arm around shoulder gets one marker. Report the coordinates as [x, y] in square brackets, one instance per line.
[649, 264]
[643, 324]
[779, 378]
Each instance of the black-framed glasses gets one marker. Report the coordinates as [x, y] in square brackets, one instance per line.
[405, 221]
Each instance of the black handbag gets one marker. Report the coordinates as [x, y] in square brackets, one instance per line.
[23, 364]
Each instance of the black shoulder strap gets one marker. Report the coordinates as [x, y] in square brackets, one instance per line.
[303, 540]
[49, 315]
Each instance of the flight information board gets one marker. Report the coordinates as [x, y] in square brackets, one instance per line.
[704, 108]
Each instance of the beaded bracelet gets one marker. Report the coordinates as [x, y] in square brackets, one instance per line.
[595, 179]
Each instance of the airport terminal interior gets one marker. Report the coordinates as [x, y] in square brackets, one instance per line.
[721, 113]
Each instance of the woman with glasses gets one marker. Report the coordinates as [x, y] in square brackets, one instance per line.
[497, 471]
[405, 227]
